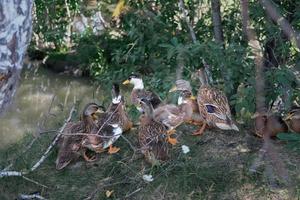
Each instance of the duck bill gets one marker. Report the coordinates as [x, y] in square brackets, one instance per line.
[126, 82]
[193, 98]
[61, 164]
[174, 88]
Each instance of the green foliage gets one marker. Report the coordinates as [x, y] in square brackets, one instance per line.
[292, 139]
[151, 38]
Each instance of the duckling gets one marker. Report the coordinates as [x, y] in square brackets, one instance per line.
[139, 92]
[70, 146]
[213, 106]
[110, 126]
[269, 124]
[293, 119]
[152, 135]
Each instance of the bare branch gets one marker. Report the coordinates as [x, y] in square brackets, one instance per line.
[31, 196]
[45, 155]
[184, 11]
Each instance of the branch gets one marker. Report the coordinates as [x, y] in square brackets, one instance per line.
[286, 27]
[184, 11]
[5, 173]
[45, 155]
[31, 196]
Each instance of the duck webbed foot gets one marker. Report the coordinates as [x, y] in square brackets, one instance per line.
[200, 131]
[113, 150]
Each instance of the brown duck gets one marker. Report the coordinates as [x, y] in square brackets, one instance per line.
[184, 86]
[70, 146]
[213, 106]
[293, 119]
[152, 135]
[111, 125]
[269, 124]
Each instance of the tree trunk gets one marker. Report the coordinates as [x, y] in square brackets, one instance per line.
[258, 58]
[15, 34]
[216, 20]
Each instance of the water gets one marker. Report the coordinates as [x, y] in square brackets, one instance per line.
[43, 100]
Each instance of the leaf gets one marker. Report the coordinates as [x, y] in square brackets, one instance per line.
[289, 137]
[108, 193]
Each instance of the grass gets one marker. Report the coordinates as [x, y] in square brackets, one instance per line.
[215, 168]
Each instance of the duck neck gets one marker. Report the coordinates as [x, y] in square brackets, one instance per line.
[117, 100]
[89, 122]
[149, 111]
[186, 109]
[203, 77]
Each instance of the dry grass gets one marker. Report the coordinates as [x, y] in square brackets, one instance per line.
[217, 167]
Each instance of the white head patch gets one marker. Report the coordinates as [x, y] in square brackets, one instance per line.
[117, 100]
[137, 83]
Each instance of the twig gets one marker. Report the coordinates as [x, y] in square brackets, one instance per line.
[11, 173]
[45, 155]
[132, 193]
[35, 182]
[131, 146]
[108, 119]
[90, 134]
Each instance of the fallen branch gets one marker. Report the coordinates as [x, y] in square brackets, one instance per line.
[132, 193]
[5, 173]
[45, 155]
[35, 182]
[31, 196]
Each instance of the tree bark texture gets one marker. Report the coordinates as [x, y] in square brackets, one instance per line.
[258, 57]
[216, 20]
[15, 35]
[287, 29]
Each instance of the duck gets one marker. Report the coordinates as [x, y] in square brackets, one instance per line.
[213, 106]
[184, 86]
[139, 92]
[110, 126]
[70, 146]
[173, 116]
[293, 119]
[152, 135]
[269, 124]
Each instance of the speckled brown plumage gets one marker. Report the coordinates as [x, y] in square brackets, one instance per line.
[111, 124]
[293, 119]
[213, 105]
[70, 145]
[152, 135]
